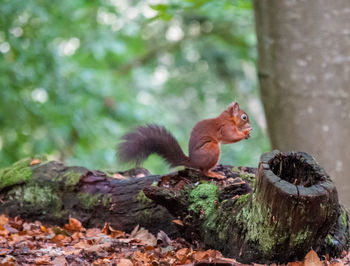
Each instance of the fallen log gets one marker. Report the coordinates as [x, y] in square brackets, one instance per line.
[275, 213]
[51, 192]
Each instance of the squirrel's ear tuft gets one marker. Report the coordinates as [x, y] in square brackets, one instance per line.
[233, 109]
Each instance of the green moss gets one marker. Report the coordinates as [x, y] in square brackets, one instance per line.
[89, 201]
[343, 217]
[38, 197]
[300, 238]
[106, 200]
[18, 172]
[258, 229]
[202, 199]
[243, 199]
[142, 198]
[235, 169]
[71, 178]
[249, 177]
[329, 239]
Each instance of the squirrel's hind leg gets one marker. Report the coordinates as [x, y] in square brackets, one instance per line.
[206, 158]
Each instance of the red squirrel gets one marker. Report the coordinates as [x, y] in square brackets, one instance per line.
[231, 126]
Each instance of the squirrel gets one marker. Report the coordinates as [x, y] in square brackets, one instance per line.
[231, 126]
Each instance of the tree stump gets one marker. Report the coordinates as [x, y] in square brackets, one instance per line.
[275, 213]
[292, 209]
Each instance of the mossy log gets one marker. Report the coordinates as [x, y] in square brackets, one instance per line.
[292, 208]
[50, 192]
[274, 213]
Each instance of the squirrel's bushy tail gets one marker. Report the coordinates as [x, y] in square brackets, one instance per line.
[138, 144]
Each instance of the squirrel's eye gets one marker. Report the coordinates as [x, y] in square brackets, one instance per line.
[244, 117]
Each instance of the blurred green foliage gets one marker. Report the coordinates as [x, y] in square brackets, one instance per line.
[76, 75]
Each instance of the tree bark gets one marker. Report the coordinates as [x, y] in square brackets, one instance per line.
[304, 73]
[277, 215]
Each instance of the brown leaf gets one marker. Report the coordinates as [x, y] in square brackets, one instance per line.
[3, 219]
[93, 232]
[102, 262]
[74, 225]
[119, 176]
[81, 245]
[312, 259]
[59, 261]
[44, 260]
[4, 251]
[141, 257]
[295, 263]
[105, 229]
[145, 237]
[116, 233]
[177, 221]
[337, 263]
[124, 262]
[10, 229]
[134, 231]
[200, 255]
[35, 161]
[163, 239]
[8, 261]
[181, 254]
[58, 238]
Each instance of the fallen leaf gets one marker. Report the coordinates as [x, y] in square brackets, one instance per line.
[177, 221]
[35, 161]
[105, 229]
[119, 176]
[93, 232]
[200, 255]
[44, 260]
[74, 225]
[141, 257]
[59, 261]
[102, 262]
[312, 259]
[181, 254]
[145, 237]
[124, 262]
[337, 263]
[163, 239]
[134, 231]
[58, 238]
[3, 219]
[295, 263]
[116, 233]
[8, 261]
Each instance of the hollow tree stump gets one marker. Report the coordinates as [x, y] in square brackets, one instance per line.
[292, 209]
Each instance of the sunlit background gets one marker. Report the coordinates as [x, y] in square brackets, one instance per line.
[76, 75]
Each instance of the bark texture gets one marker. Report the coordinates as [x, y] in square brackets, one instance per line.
[304, 73]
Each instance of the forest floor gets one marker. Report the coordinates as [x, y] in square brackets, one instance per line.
[26, 243]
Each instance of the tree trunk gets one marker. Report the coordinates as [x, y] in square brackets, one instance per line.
[304, 73]
[290, 207]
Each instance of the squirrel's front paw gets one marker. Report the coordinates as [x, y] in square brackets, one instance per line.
[247, 131]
